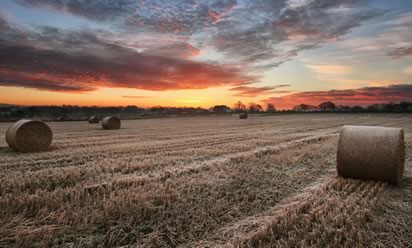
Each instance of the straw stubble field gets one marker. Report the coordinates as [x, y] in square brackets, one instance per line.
[201, 182]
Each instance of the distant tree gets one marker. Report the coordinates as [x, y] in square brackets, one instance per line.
[304, 108]
[270, 108]
[404, 106]
[17, 113]
[221, 109]
[32, 111]
[327, 106]
[131, 109]
[373, 108]
[255, 108]
[64, 111]
[358, 109]
[239, 107]
[389, 107]
[344, 108]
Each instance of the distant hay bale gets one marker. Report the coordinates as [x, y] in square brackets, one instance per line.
[60, 118]
[29, 136]
[243, 116]
[93, 119]
[372, 153]
[111, 123]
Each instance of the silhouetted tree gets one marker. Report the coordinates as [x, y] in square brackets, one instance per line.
[32, 111]
[239, 107]
[17, 113]
[304, 108]
[327, 106]
[270, 108]
[343, 108]
[358, 109]
[221, 109]
[373, 108]
[255, 108]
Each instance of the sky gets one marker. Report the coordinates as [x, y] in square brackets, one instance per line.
[205, 52]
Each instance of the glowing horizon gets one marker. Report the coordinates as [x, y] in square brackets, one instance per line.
[200, 53]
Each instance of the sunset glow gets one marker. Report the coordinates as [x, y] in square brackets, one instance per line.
[203, 53]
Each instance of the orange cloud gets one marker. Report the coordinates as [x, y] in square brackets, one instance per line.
[249, 91]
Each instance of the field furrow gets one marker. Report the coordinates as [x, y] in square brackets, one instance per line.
[268, 181]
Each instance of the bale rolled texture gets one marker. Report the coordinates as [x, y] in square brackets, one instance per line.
[243, 116]
[29, 136]
[372, 153]
[93, 119]
[111, 123]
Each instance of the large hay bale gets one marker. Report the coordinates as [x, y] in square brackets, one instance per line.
[111, 123]
[93, 119]
[372, 153]
[243, 116]
[29, 136]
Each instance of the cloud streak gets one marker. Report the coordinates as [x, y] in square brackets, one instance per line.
[250, 91]
[138, 97]
[400, 52]
[361, 96]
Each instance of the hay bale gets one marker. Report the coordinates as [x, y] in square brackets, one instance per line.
[372, 153]
[111, 123]
[29, 136]
[243, 116]
[93, 119]
[60, 118]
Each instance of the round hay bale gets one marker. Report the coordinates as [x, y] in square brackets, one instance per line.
[60, 118]
[243, 116]
[111, 123]
[29, 136]
[371, 153]
[93, 119]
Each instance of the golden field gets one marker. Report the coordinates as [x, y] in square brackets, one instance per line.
[267, 181]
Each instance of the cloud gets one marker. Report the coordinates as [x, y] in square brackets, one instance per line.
[93, 9]
[331, 69]
[138, 97]
[400, 52]
[82, 61]
[186, 16]
[256, 34]
[279, 32]
[408, 70]
[174, 49]
[16, 80]
[361, 96]
[249, 91]
[3, 23]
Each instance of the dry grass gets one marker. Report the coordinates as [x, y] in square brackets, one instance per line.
[187, 182]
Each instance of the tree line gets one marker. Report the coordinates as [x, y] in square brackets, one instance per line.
[73, 112]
